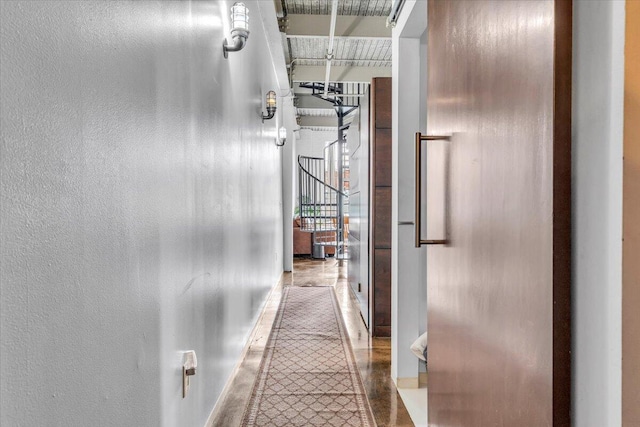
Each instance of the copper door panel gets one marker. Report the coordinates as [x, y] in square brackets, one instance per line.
[382, 217]
[498, 293]
[382, 157]
[382, 292]
[631, 222]
[381, 88]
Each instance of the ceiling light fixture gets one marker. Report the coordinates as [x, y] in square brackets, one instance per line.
[239, 28]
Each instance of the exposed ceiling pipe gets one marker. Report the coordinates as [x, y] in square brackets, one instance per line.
[395, 13]
[332, 32]
[384, 61]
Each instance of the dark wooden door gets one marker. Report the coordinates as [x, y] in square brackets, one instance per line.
[380, 205]
[499, 77]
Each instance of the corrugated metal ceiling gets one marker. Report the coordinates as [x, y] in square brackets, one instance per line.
[349, 51]
[345, 7]
[359, 52]
[316, 112]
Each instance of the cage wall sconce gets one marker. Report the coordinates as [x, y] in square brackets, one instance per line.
[271, 106]
[239, 29]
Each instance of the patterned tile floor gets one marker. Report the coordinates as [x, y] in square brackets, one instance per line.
[372, 354]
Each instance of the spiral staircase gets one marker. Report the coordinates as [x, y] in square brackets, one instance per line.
[323, 201]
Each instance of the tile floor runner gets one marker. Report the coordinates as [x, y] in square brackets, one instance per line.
[308, 374]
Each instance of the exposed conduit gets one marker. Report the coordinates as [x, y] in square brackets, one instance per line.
[332, 32]
[395, 13]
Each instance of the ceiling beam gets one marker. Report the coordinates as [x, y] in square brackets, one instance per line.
[346, 38]
[307, 73]
[346, 26]
[310, 121]
[310, 101]
[317, 112]
[329, 131]
[279, 9]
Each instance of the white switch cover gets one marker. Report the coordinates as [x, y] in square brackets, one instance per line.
[185, 382]
[190, 362]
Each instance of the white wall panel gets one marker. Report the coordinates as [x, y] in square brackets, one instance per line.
[598, 84]
[408, 263]
[141, 207]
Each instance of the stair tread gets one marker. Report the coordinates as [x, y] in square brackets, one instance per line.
[318, 228]
[332, 243]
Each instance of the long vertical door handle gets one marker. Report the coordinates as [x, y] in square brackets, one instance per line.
[418, 221]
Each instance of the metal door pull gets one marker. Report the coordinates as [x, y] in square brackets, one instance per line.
[419, 139]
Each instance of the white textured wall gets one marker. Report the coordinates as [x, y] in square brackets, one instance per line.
[141, 207]
[598, 81]
[289, 174]
[311, 143]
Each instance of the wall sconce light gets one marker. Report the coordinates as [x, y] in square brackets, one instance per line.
[282, 137]
[239, 28]
[271, 106]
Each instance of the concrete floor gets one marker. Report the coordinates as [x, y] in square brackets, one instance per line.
[373, 355]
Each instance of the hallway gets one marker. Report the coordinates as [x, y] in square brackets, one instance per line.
[373, 355]
[163, 165]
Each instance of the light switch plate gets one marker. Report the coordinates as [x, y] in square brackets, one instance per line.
[185, 382]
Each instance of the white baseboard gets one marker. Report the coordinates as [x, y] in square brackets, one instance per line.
[408, 382]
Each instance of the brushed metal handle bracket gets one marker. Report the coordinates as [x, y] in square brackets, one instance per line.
[419, 241]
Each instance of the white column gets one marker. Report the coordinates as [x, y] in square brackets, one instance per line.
[288, 179]
[597, 132]
[408, 277]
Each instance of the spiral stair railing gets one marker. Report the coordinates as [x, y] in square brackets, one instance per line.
[320, 205]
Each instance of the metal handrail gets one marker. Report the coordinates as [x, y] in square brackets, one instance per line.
[316, 178]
